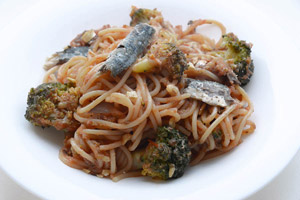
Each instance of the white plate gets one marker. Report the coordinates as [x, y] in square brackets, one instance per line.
[30, 155]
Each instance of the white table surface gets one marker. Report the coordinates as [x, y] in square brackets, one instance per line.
[286, 186]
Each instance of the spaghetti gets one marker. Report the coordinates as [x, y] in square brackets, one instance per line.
[140, 102]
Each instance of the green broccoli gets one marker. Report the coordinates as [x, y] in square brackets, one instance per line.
[173, 59]
[240, 53]
[141, 15]
[167, 157]
[53, 104]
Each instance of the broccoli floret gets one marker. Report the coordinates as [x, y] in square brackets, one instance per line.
[240, 52]
[141, 15]
[173, 59]
[53, 104]
[168, 156]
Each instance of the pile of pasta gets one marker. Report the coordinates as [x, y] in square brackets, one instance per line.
[118, 115]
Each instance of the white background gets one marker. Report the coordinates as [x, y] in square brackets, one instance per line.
[284, 186]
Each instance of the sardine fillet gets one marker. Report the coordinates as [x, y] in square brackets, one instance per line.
[210, 92]
[129, 49]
